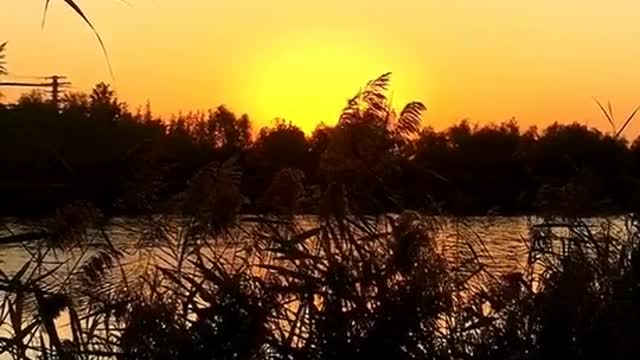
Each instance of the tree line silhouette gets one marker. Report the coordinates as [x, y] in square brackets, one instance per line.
[94, 148]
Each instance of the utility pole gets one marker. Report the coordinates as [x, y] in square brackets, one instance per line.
[55, 83]
[55, 88]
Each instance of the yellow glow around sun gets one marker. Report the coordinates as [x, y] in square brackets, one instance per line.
[306, 79]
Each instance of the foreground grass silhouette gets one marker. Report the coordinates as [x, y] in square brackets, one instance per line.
[224, 286]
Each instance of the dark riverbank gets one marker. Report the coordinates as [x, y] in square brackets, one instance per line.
[127, 162]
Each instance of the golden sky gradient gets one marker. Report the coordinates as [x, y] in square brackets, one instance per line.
[538, 61]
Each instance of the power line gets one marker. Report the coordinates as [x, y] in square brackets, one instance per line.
[55, 83]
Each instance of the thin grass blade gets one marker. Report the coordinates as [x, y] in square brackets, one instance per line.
[626, 123]
[606, 115]
[44, 14]
[80, 13]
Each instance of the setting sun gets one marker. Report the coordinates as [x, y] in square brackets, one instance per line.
[539, 62]
[307, 78]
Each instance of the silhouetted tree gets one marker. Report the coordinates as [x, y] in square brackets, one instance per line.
[582, 168]
[222, 130]
[281, 147]
[104, 105]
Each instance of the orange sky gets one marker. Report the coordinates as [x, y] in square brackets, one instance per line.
[538, 61]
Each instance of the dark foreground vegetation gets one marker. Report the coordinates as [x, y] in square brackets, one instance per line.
[211, 284]
[193, 278]
[95, 149]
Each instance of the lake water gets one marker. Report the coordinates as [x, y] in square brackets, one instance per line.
[505, 239]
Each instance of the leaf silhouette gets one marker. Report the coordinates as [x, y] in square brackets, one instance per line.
[380, 84]
[44, 14]
[410, 118]
[371, 99]
[76, 8]
[626, 123]
[3, 69]
[608, 114]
